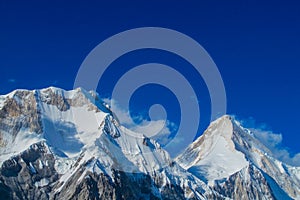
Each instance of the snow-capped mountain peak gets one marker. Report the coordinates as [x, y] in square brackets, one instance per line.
[227, 150]
[213, 156]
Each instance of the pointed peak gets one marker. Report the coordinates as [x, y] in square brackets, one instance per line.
[232, 121]
[227, 118]
[221, 126]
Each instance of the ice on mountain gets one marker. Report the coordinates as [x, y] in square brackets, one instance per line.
[31, 168]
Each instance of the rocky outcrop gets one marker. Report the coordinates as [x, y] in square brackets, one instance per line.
[90, 185]
[29, 175]
[54, 97]
[247, 184]
[19, 111]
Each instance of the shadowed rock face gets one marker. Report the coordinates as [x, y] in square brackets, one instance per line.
[254, 186]
[28, 175]
[21, 178]
[122, 186]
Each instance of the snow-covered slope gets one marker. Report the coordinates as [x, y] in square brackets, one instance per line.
[71, 124]
[228, 150]
[74, 142]
[213, 156]
[57, 144]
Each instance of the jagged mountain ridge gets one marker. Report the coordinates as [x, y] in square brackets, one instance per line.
[57, 144]
[227, 153]
[83, 147]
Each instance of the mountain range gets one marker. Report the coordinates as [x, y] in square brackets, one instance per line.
[57, 144]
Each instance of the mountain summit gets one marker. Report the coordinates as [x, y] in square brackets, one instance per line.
[232, 161]
[57, 144]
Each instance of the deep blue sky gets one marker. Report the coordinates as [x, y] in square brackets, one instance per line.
[255, 44]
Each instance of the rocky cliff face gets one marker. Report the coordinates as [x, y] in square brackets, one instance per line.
[248, 183]
[29, 175]
[19, 111]
[57, 144]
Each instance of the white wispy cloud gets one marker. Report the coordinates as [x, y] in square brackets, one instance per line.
[11, 80]
[273, 141]
[160, 130]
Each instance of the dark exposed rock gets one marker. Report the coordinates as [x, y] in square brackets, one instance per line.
[239, 187]
[5, 191]
[20, 175]
[110, 128]
[10, 168]
[123, 186]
